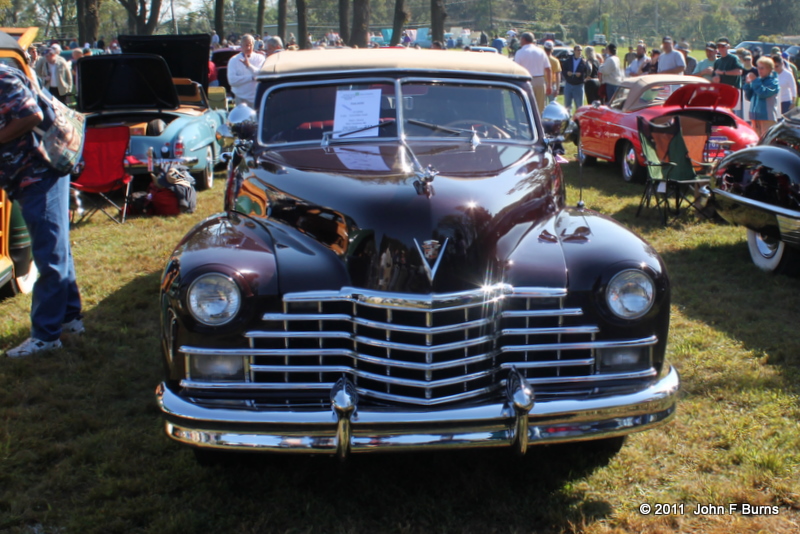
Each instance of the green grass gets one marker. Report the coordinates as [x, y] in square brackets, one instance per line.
[82, 448]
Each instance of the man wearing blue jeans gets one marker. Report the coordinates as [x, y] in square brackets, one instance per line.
[44, 198]
[574, 69]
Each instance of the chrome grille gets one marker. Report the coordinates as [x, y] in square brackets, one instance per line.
[421, 349]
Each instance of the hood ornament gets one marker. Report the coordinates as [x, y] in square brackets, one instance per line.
[431, 253]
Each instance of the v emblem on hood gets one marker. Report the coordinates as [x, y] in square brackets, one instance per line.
[431, 253]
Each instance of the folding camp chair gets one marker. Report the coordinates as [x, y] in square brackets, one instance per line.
[103, 171]
[671, 173]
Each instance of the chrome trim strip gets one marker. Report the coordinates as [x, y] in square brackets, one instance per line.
[545, 331]
[281, 317]
[488, 425]
[644, 342]
[565, 312]
[763, 206]
[423, 349]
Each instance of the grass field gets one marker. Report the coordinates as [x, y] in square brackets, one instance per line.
[82, 447]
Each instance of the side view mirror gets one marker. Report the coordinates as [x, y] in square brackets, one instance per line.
[242, 123]
[555, 120]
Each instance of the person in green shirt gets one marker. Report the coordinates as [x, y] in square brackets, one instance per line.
[727, 69]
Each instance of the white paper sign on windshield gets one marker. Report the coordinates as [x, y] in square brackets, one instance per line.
[357, 109]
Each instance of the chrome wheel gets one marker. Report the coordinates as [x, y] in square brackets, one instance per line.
[631, 170]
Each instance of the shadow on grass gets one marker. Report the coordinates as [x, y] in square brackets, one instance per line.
[720, 286]
[456, 491]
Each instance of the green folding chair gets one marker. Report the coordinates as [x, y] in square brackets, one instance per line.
[671, 174]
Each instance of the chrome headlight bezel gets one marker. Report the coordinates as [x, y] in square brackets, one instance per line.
[630, 294]
[226, 288]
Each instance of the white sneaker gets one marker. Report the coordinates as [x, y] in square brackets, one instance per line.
[74, 327]
[31, 346]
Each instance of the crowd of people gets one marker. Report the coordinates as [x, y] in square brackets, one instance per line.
[767, 82]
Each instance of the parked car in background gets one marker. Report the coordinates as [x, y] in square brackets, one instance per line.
[169, 118]
[759, 188]
[396, 268]
[220, 58]
[709, 126]
[17, 270]
[765, 47]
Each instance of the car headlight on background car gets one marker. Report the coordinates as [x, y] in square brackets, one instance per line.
[630, 294]
[214, 299]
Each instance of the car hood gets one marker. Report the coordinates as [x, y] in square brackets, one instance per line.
[125, 81]
[391, 233]
[186, 55]
[704, 95]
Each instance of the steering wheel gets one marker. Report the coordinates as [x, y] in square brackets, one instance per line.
[488, 129]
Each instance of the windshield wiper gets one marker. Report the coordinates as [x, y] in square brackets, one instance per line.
[437, 127]
[475, 140]
[327, 136]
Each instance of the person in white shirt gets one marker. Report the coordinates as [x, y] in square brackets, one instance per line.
[611, 72]
[634, 66]
[242, 69]
[788, 94]
[671, 61]
[536, 62]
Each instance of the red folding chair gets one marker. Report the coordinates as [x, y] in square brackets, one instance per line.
[102, 171]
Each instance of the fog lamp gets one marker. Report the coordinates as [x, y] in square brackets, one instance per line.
[615, 360]
[216, 368]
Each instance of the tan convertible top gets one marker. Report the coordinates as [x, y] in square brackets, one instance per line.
[345, 59]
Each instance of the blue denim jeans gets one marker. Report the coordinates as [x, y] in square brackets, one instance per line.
[573, 93]
[56, 300]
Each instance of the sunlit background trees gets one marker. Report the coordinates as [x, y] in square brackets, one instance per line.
[624, 21]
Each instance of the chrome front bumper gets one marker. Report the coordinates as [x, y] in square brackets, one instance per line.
[348, 429]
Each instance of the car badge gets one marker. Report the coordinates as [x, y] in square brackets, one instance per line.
[431, 253]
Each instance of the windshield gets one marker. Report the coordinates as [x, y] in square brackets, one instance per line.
[422, 109]
[656, 94]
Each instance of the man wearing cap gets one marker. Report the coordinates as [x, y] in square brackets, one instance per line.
[555, 71]
[56, 73]
[727, 69]
[671, 61]
[575, 70]
[535, 61]
[705, 67]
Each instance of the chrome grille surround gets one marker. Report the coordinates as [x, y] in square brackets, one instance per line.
[423, 349]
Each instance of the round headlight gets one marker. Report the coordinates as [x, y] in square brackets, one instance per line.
[214, 299]
[630, 294]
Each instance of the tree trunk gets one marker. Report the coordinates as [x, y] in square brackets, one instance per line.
[80, 12]
[360, 35]
[219, 18]
[401, 16]
[282, 8]
[139, 22]
[262, 7]
[344, 19]
[91, 22]
[302, 24]
[438, 15]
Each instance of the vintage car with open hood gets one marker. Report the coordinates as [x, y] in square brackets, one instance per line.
[169, 117]
[17, 270]
[396, 268]
[708, 125]
[759, 188]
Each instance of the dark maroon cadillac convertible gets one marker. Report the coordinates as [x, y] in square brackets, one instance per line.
[396, 269]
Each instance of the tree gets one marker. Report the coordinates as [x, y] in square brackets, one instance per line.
[772, 17]
[360, 35]
[141, 20]
[438, 15]
[401, 16]
[88, 20]
[262, 7]
[344, 17]
[219, 18]
[302, 24]
[282, 8]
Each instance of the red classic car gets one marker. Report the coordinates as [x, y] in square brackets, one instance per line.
[709, 126]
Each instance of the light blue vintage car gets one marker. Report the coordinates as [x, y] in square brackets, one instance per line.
[169, 117]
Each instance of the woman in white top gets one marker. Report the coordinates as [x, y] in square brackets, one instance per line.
[611, 72]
